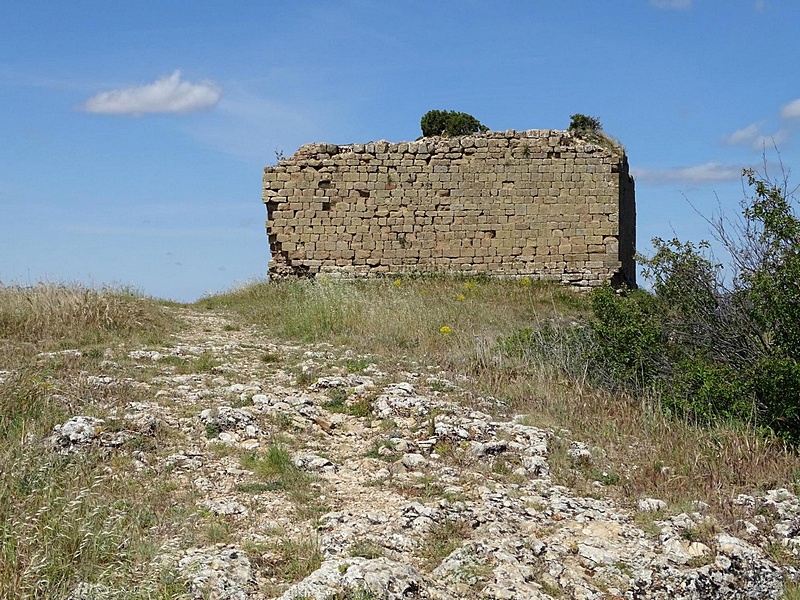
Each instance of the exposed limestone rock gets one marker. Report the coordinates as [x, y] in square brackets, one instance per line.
[425, 498]
[218, 573]
[387, 579]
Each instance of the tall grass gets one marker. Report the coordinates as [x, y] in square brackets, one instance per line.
[404, 316]
[59, 316]
[64, 519]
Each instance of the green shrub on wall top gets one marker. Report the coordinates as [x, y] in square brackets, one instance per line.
[590, 129]
[449, 123]
[584, 124]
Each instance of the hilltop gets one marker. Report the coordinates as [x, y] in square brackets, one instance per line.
[360, 440]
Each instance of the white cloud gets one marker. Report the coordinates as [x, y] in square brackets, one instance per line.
[778, 138]
[752, 136]
[165, 95]
[743, 136]
[671, 4]
[791, 110]
[710, 172]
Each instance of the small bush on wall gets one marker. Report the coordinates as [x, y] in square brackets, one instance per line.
[449, 123]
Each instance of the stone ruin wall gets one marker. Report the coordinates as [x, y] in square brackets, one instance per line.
[538, 204]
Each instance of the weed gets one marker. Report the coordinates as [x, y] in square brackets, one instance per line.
[275, 466]
[438, 385]
[304, 377]
[646, 521]
[382, 449]
[606, 477]
[213, 430]
[791, 591]
[293, 559]
[270, 357]
[442, 539]
[204, 363]
[337, 400]
[551, 589]
[218, 530]
[356, 365]
[367, 549]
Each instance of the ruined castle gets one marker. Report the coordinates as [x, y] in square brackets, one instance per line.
[542, 204]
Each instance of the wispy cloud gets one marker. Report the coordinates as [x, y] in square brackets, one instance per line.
[252, 126]
[710, 172]
[791, 110]
[672, 4]
[744, 135]
[754, 136]
[169, 94]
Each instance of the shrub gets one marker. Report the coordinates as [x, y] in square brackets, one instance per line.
[629, 341]
[590, 129]
[712, 351]
[583, 123]
[449, 123]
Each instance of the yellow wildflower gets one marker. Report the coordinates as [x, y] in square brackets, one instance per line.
[445, 330]
[525, 281]
[397, 283]
[460, 298]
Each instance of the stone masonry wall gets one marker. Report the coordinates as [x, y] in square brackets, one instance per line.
[542, 204]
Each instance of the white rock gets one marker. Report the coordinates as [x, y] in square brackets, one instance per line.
[651, 505]
[413, 460]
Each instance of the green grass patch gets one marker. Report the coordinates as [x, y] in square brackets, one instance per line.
[275, 469]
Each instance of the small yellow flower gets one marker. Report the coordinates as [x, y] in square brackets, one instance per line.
[445, 330]
[460, 298]
[525, 281]
[397, 283]
[470, 284]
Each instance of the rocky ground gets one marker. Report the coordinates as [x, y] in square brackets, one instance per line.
[328, 473]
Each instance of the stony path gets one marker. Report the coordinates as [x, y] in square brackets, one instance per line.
[399, 482]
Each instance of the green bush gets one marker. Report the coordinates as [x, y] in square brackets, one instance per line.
[629, 342]
[591, 130]
[776, 381]
[449, 123]
[584, 124]
[704, 391]
[710, 351]
[771, 262]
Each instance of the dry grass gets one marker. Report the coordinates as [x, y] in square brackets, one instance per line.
[642, 453]
[402, 317]
[50, 316]
[66, 519]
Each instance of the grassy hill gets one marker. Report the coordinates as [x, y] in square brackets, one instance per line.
[104, 515]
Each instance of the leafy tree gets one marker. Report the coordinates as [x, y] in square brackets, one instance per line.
[449, 123]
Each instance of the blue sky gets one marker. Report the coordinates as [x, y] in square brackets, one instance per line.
[133, 135]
